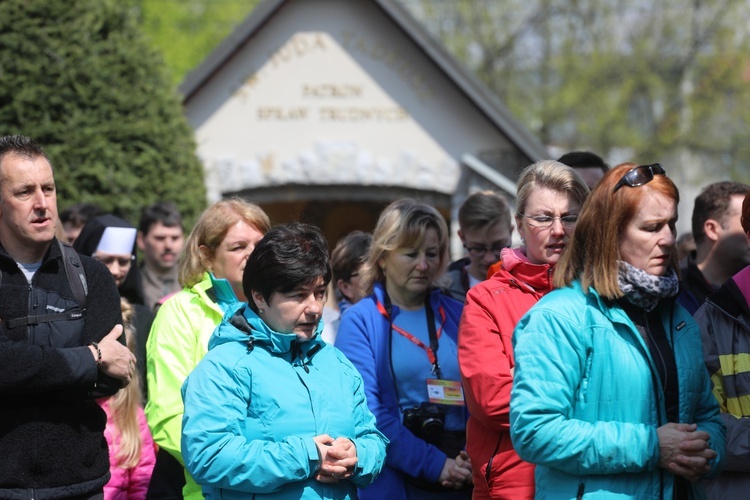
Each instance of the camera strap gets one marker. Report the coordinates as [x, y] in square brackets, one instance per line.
[435, 333]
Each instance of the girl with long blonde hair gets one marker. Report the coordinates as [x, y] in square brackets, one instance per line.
[131, 447]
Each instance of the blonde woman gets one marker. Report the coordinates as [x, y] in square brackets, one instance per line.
[210, 272]
[131, 448]
[402, 338]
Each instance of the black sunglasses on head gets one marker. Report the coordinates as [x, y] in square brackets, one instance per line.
[640, 175]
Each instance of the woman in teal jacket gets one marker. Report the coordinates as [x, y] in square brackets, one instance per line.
[273, 410]
[611, 397]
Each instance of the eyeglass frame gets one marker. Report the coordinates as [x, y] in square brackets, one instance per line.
[654, 169]
[494, 250]
[552, 220]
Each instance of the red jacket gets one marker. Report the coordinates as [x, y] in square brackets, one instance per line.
[485, 356]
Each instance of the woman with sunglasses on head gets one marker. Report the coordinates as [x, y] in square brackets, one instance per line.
[611, 396]
[549, 196]
[402, 338]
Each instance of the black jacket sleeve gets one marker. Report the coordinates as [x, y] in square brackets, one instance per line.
[102, 314]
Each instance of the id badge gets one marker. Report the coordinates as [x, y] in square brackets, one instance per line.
[445, 392]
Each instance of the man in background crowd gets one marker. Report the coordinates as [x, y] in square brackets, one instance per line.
[721, 248]
[485, 228]
[590, 166]
[160, 238]
[75, 217]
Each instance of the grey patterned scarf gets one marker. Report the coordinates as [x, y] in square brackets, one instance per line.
[643, 289]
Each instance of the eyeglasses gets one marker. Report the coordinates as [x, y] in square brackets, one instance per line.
[640, 175]
[121, 261]
[480, 251]
[546, 221]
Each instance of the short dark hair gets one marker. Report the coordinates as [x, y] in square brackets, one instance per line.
[80, 213]
[713, 203]
[349, 254]
[161, 211]
[22, 146]
[745, 220]
[289, 256]
[583, 159]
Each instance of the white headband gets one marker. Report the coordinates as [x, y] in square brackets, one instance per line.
[117, 240]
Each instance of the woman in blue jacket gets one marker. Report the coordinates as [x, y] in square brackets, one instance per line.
[403, 340]
[611, 397]
[272, 410]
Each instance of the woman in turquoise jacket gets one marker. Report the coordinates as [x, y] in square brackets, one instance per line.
[273, 411]
[611, 398]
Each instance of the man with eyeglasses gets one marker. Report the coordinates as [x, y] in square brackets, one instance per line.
[721, 248]
[485, 228]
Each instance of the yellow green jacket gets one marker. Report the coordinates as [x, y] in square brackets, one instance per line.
[177, 342]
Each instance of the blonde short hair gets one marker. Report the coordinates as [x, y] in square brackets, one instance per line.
[210, 231]
[403, 224]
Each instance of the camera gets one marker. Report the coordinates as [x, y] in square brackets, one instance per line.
[425, 421]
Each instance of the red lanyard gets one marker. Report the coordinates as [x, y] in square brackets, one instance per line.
[431, 352]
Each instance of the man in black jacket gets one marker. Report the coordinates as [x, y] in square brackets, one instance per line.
[721, 249]
[59, 348]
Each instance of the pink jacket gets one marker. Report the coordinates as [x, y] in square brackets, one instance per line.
[128, 484]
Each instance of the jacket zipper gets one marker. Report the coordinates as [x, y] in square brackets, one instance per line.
[487, 472]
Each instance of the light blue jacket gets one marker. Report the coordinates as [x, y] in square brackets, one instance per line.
[254, 404]
[586, 401]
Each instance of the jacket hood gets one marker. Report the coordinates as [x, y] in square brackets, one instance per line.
[536, 276]
[246, 327]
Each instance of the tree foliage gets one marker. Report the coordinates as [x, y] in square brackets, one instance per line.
[632, 80]
[186, 31]
[80, 78]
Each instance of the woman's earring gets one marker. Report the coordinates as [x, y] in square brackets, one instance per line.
[260, 311]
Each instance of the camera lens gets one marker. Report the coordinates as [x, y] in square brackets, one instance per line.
[432, 429]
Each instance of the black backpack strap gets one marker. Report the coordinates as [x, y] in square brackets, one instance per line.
[74, 271]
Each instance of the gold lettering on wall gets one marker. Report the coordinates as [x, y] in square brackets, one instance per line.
[362, 114]
[300, 45]
[392, 58]
[333, 90]
[277, 113]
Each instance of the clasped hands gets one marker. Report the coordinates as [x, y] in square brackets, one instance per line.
[456, 472]
[684, 450]
[338, 458]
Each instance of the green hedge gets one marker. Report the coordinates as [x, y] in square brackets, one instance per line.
[79, 77]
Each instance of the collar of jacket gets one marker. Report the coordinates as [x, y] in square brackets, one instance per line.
[53, 252]
[222, 291]
[536, 276]
[218, 297]
[246, 323]
[616, 314]
[730, 299]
